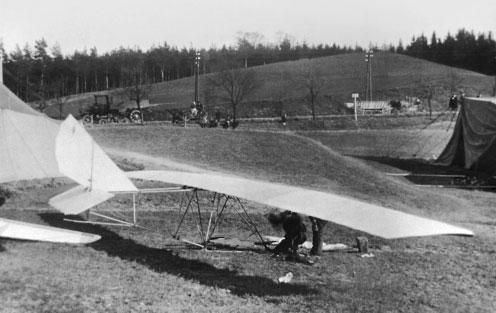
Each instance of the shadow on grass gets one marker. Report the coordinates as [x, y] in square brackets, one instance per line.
[163, 260]
[421, 169]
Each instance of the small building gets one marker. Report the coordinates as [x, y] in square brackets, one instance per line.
[374, 107]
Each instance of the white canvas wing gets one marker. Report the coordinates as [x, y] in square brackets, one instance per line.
[27, 140]
[81, 159]
[28, 231]
[9, 101]
[79, 199]
[27, 146]
[366, 217]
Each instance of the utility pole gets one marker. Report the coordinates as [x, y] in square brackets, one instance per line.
[197, 83]
[355, 96]
[368, 58]
[1, 69]
[494, 87]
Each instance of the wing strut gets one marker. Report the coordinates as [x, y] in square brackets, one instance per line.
[216, 214]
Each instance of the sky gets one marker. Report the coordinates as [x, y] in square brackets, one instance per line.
[107, 25]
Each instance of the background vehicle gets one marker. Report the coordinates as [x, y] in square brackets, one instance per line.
[102, 112]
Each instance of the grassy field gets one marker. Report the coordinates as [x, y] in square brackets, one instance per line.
[395, 76]
[133, 270]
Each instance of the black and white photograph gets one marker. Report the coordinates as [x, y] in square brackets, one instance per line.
[247, 156]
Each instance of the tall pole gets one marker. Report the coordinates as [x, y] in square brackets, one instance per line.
[197, 83]
[1, 70]
[355, 96]
[368, 58]
[494, 87]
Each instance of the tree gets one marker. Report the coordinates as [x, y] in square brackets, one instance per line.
[311, 78]
[41, 63]
[233, 85]
[427, 89]
[247, 43]
[454, 81]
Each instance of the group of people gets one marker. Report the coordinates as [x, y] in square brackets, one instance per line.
[454, 101]
[295, 234]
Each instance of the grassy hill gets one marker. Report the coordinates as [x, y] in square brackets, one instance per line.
[394, 77]
[138, 270]
[278, 157]
[426, 264]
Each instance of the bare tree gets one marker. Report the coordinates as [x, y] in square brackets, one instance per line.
[310, 77]
[428, 90]
[279, 92]
[138, 92]
[233, 85]
[494, 87]
[139, 89]
[247, 43]
[454, 81]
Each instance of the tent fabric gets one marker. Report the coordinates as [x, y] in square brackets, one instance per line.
[366, 217]
[82, 160]
[473, 143]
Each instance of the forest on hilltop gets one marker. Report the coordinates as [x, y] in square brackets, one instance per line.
[42, 72]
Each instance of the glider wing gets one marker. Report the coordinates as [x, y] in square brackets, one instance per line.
[80, 158]
[28, 231]
[359, 215]
[79, 199]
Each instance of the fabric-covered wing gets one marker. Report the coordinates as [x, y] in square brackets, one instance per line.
[27, 231]
[9, 101]
[78, 199]
[369, 218]
[27, 140]
[27, 146]
[82, 160]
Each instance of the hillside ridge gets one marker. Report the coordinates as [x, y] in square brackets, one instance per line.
[394, 77]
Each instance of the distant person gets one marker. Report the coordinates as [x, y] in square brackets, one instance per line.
[462, 98]
[194, 112]
[284, 118]
[2, 201]
[227, 122]
[295, 232]
[317, 230]
[395, 105]
[453, 103]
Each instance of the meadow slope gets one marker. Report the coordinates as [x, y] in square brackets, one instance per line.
[138, 270]
[395, 76]
[281, 157]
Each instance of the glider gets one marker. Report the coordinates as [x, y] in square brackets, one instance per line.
[352, 213]
[28, 139]
[35, 146]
